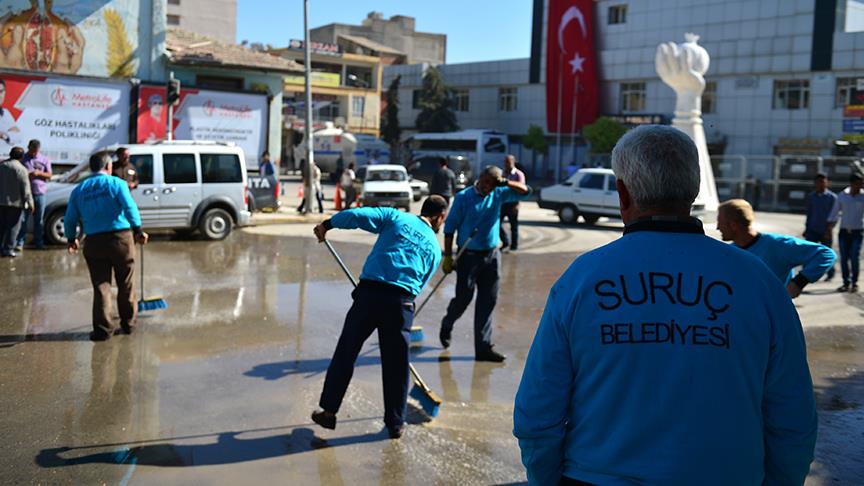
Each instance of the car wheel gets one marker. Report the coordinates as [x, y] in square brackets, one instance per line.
[590, 218]
[216, 224]
[55, 233]
[568, 214]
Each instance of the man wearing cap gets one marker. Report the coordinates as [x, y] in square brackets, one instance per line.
[104, 207]
[477, 208]
[402, 261]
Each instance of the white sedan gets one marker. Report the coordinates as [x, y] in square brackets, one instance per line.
[387, 185]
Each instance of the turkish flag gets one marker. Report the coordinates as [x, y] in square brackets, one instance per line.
[571, 66]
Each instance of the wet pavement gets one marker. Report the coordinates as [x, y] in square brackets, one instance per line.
[217, 389]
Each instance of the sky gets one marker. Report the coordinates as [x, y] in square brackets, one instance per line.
[477, 30]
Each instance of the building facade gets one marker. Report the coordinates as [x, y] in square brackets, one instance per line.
[396, 33]
[216, 19]
[781, 72]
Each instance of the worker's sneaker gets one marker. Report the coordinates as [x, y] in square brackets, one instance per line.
[99, 336]
[445, 337]
[853, 288]
[490, 355]
[843, 288]
[324, 419]
[394, 432]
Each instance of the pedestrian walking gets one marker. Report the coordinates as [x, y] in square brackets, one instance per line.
[39, 168]
[782, 253]
[316, 186]
[443, 181]
[849, 209]
[820, 202]
[124, 169]
[665, 350]
[401, 263]
[346, 181]
[510, 210]
[477, 208]
[15, 198]
[104, 207]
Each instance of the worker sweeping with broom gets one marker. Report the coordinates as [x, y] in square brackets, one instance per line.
[402, 261]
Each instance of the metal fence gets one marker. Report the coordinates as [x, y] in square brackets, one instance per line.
[777, 183]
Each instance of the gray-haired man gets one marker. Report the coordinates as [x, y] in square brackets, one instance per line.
[666, 349]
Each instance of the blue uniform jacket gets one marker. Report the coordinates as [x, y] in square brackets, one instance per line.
[472, 210]
[103, 204]
[406, 253]
[783, 253]
[667, 358]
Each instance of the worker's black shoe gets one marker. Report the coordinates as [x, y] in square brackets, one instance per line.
[394, 432]
[445, 337]
[490, 355]
[843, 288]
[324, 419]
[853, 289]
[99, 336]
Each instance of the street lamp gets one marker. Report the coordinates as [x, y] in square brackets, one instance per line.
[310, 151]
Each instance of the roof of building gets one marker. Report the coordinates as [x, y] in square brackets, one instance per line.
[184, 47]
[371, 45]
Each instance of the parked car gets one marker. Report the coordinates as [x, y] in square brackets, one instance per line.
[424, 168]
[589, 193]
[264, 192]
[183, 185]
[386, 185]
[419, 188]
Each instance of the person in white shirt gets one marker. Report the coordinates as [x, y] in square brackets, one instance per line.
[347, 183]
[849, 209]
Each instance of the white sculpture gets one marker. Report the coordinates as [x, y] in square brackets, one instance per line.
[682, 67]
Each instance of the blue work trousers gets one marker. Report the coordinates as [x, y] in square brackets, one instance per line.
[390, 310]
[480, 270]
[850, 253]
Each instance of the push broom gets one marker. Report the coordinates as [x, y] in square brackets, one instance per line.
[429, 401]
[145, 305]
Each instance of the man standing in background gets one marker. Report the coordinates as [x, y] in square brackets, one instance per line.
[443, 181]
[849, 209]
[510, 210]
[39, 168]
[819, 205]
[124, 169]
[14, 199]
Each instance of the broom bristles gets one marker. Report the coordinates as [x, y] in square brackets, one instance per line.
[152, 304]
[417, 334]
[429, 401]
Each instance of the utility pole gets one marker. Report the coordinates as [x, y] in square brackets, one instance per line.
[308, 190]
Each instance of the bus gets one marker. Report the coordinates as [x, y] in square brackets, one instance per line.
[479, 147]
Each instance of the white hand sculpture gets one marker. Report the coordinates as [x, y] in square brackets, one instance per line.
[682, 69]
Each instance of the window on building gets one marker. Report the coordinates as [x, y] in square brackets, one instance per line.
[415, 99]
[617, 14]
[843, 92]
[461, 100]
[173, 2]
[791, 94]
[358, 76]
[507, 99]
[173, 19]
[709, 97]
[218, 82]
[326, 110]
[358, 105]
[632, 96]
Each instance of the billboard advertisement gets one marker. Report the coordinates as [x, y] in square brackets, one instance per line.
[71, 117]
[83, 37]
[219, 116]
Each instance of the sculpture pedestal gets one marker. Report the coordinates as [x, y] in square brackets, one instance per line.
[691, 123]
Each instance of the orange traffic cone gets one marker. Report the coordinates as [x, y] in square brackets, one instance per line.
[337, 199]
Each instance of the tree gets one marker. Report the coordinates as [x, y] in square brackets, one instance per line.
[603, 134]
[435, 103]
[391, 132]
[535, 141]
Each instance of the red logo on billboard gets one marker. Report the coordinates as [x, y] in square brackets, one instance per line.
[209, 107]
[58, 97]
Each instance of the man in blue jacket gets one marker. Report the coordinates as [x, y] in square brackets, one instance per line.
[781, 253]
[666, 357]
[401, 263]
[478, 207]
[104, 207]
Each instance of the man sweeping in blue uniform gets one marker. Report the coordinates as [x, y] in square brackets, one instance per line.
[402, 261]
[666, 357]
[782, 253]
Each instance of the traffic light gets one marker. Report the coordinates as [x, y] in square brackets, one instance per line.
[173, 92]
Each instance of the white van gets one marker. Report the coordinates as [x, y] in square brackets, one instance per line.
[479, 147]
[183, 185]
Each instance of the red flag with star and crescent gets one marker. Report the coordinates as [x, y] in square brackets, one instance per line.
[572, 92]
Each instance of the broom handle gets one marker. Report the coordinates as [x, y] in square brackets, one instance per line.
[142, 272]
[354, 282]
[443, 277]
